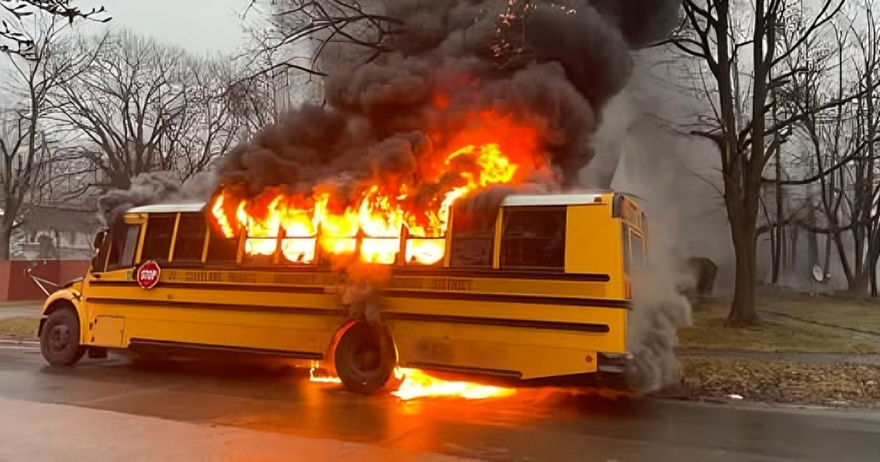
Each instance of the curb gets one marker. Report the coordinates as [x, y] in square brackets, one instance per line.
[21, 343]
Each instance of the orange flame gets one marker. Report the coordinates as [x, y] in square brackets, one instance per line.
[371, 224]
[417, 384]
[318, 374]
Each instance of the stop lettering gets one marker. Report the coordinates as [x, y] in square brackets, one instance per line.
[148, 274]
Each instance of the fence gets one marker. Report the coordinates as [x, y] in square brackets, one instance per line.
[16, 285]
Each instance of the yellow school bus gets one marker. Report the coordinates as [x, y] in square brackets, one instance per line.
[537, 293]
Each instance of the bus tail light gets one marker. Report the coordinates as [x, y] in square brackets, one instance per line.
[628, 290]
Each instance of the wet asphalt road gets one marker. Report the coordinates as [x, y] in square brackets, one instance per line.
[534, 425]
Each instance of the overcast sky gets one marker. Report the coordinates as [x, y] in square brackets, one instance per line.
[199, 26]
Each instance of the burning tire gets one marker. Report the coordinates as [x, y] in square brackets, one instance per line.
[59, 338]
[365, 359]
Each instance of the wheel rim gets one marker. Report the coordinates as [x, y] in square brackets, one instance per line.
[367, 357]
[59, 338]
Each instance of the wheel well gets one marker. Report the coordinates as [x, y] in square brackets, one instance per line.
[57, 305]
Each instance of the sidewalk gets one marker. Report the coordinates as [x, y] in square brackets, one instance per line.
[781, 356]
[48, 432]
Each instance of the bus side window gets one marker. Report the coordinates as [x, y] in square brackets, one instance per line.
[221, 249]
[123, 248]
[534, 238]
[472, 241]
[190, 240]
[637, 246]
[157, 241]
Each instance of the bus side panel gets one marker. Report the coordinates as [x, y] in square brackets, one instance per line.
[532, 340]
[593, 244]
[298, 323]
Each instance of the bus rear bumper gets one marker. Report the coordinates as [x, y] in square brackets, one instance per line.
[611, 373]
[614, 363]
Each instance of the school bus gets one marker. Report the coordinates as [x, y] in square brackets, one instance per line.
[538, 293]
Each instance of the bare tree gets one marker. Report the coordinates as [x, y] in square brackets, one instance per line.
[207, 126]
[134, 105]
[741, 127]
[26, 142]
[348, 28]
[14, 15]
[840, 140]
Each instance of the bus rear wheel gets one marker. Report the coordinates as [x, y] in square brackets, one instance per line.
[365, 359]
[59, 339]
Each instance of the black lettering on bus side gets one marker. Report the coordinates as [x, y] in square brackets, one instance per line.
[451, 285]
[202, 276]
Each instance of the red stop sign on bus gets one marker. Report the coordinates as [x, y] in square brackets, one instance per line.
[148, 274]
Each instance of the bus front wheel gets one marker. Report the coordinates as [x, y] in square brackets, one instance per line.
[365, 359]
[59, 339]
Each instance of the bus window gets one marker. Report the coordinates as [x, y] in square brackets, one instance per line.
[637, 245]
[190, 240]
[100, 260]
[425, 250]
[157, 241]
[627, 250]
[533, 238]
[122, 251]
[381, 250]
[221, 249]
[260, 246]
[473, 241]
[298, 249]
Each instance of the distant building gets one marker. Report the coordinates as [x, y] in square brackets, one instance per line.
[55, 233]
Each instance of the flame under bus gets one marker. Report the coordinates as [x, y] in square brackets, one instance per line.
[539, 293]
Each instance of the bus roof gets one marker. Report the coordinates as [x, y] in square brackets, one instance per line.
[516, 200]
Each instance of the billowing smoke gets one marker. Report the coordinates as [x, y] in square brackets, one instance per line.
[659, 311]
[154, 188]
[549, 65]
[645, 157]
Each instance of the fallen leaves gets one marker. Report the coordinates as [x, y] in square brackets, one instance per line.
[781, 382]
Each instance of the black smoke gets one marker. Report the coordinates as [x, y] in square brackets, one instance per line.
[551, 65]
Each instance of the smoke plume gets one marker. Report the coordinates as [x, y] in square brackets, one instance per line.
[551, 66]
[155, 188]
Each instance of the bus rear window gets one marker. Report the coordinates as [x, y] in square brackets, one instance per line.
[533, 238]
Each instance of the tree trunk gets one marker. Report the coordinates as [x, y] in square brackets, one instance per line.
[5, 240]
[777, 252]
[742, 312]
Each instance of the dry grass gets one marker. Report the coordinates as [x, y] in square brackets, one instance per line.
[861, 315]
[20, 303]
[21, 328]
[827, 384]
[778, 335]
